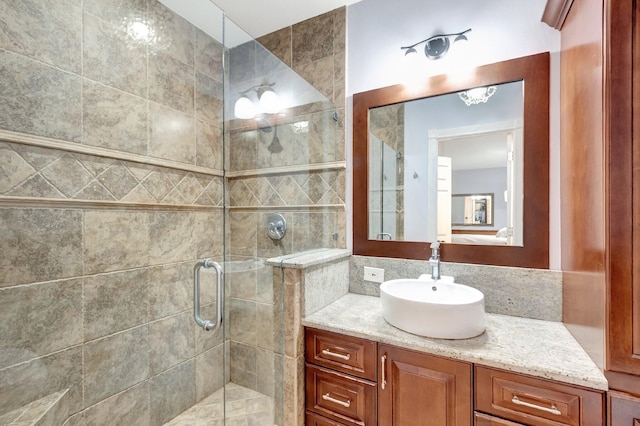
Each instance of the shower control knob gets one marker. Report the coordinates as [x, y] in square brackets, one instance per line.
[276, 226]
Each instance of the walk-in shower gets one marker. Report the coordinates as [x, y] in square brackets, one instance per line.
[135, 287]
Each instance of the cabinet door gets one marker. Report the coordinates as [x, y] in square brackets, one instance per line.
[624, 410]
[415, 389]
[623, 59]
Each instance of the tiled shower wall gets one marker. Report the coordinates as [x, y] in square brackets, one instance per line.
[387, 124]
[305, 182]
[110, 189]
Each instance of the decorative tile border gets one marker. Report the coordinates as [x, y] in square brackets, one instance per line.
[32, 172]
[305, 188]
[62, 145]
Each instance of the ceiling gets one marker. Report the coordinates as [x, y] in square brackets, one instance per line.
[260, 17]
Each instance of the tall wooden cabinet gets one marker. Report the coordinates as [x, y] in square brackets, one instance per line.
[623, 144]
[600, 175]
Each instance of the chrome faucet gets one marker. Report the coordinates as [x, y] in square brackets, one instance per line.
[434, 261]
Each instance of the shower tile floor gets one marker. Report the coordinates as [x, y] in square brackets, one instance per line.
[245, 407]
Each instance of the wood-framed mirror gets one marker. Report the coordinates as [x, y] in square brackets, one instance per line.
[533, 247]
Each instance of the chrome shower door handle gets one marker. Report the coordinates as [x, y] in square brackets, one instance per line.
[206, 324]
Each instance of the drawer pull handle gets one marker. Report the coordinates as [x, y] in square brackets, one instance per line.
[329, 353]
[552, 410]
[327, 397]
[383, 382]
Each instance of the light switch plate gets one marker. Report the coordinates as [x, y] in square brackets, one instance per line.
[375, 275]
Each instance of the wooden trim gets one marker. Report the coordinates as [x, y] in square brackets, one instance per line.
[336, 165]
[623, 382]
[535, 252]
[555, 13]
[62, 145]
[53, 203]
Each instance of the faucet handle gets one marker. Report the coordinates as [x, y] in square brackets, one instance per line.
[435, 245]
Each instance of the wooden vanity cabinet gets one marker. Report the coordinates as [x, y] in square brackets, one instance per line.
[481, 419]
[533, 401]
[423, 390]
[352, 381]
[624, 410]
[340, 380]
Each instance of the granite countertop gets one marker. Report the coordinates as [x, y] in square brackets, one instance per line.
[306, 259]
[539, 348]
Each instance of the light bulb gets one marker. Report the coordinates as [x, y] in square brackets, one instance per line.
[269, 102]
[244, 108]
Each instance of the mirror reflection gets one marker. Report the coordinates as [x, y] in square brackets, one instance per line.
[427, 155]
[472, 209]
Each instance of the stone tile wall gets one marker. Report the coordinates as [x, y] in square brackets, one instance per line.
[387, 124]
[521, 292]
[110, 189]
[306, 290]
[302, 182]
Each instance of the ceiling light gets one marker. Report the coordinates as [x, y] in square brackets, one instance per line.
[438, 45]
[477, 95]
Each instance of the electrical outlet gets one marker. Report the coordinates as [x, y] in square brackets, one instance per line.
[375, 275]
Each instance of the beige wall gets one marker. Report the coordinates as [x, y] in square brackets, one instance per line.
[110, 189]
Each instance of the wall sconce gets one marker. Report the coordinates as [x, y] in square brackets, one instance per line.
[438, 45]
[268, 102]
[477, 95]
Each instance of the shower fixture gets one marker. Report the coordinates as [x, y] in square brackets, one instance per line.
[437, 46]
[275, 147]
[276, 226]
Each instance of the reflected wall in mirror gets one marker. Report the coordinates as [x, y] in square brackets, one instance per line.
[402, 149]
[422, 151]
[471, 210]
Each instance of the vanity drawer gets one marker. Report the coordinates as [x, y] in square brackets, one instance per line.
[312, 419]
[535, 401]
[343, 353]
[342, 398]
[480, 419]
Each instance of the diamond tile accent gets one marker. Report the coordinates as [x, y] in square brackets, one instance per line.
[118, 180]
[36, 186]
[190, 188]
[158, 184]
[94, 191]
[27, 171]
[13, 168]
[67, 174]
[313, 188]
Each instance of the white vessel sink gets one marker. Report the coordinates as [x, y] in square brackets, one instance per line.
[443, 310]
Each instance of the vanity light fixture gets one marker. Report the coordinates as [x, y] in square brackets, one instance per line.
[438, 45]
[477, 95]
[268, 102]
